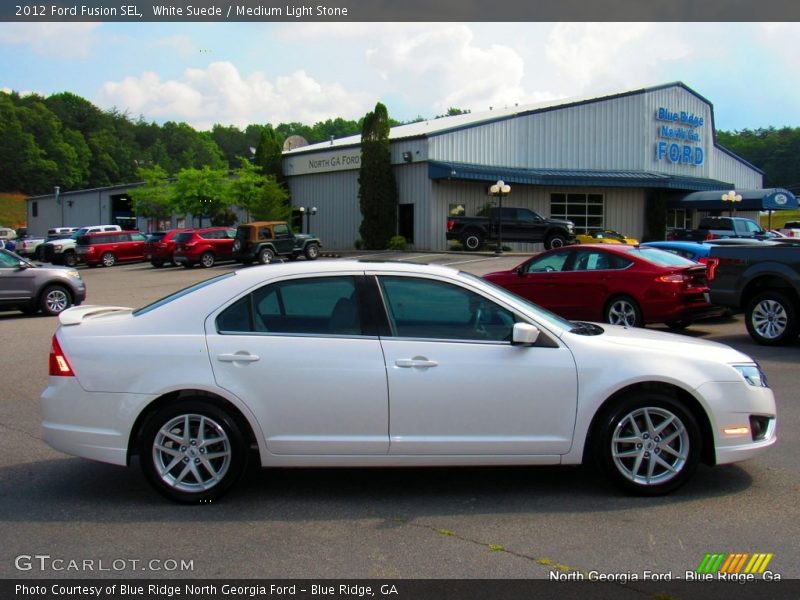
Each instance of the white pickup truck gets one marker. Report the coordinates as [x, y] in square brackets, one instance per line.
[62, 252]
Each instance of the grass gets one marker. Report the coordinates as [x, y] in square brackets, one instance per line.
[779, 217]
[13, 211]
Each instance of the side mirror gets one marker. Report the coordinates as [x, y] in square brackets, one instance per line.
[22, 265]
[524, 334]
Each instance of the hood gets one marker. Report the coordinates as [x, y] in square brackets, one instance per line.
[661, 342]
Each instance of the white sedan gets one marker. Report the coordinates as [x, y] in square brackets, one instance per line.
[387, 364]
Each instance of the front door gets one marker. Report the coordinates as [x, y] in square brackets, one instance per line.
[456, 384]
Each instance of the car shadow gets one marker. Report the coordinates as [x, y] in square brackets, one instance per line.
[47, 490]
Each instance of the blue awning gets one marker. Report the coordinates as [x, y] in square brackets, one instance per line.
[766, 199]
[578, 177]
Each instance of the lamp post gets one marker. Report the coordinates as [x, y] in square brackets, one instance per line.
[499, 189]
[733, 198]
[308, 212]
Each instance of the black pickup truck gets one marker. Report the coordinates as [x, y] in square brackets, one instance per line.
[518, 225]
[762, 279]
[720, 227]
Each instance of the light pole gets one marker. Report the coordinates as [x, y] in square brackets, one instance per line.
[499, 189]
[308, 212]
[733, 198]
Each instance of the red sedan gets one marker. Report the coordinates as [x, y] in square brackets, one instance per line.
[622, 285]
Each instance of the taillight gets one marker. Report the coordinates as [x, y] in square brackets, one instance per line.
[673, 278]
[711, 236]
[711, 268]
[59, 365]
[450, 224]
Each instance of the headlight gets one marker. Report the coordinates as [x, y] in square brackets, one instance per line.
[73, 273]
[752, 374]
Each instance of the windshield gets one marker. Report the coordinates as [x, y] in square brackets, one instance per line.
[550, 318]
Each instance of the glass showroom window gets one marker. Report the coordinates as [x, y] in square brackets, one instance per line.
[587, 211]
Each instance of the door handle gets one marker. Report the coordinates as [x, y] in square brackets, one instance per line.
[419, 362]
[238, 357]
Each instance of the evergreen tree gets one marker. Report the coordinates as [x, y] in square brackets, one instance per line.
[377, 188]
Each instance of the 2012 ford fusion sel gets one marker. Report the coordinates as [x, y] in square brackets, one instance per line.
[346, 363]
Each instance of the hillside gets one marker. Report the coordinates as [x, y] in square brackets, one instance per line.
[12, 210]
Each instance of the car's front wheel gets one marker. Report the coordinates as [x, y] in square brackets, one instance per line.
[54, 300]
[70, 259]
[771, 319]
[311, 251]
[556, 240]
[207, 260]
[649, 444]
[192, 452]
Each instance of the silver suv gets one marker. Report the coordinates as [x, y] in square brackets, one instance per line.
[31, 288]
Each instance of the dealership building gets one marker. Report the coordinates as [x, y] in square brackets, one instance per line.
[602, 162]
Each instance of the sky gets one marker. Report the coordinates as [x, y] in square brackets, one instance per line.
[243, 73]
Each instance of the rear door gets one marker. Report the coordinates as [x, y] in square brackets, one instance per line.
[301, 355]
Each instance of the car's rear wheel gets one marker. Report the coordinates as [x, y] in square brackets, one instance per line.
[771, 319]
[649, 444]
[265, 256]
[623, 310]
[207, 260]
[311, 251]
[192, 452]
[109, 260]
[54, 300]
[471, 241]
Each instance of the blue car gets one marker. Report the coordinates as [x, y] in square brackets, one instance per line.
[697, 251]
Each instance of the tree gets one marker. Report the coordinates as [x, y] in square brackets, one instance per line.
[260, 195]
[269, 154]
[205, 193]
[377, 188]
[154, 199]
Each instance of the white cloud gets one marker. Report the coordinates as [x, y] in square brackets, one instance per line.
[221, 94]
[54, 40]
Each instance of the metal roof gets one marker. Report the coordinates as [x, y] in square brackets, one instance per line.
[766, 199]
[441, 125]
[578, 177]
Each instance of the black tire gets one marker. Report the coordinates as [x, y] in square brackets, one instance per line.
[193, 477]
[311, 251]
[108, 259]
[265, 256]
[207, 260]
[679, 325]
[54, 300]
[557, 240]
[472, 241]
[70, 259]
[623, 310]
[771, 319]
[648, 444]
[188, 265]
[157, 263]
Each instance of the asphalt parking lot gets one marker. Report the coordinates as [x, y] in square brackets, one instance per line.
[374, 523]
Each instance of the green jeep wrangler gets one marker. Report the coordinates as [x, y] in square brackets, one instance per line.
[264, 240]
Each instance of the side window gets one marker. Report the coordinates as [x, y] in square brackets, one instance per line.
[425, 308]
[551, 262]
[137, 237]
[316, 306]
[265, 233]
[6, 260]
[281, 230]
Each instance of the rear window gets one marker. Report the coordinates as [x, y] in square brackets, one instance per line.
[180, 294]
[662, 257]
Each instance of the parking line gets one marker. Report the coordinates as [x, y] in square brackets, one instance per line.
[463, 262]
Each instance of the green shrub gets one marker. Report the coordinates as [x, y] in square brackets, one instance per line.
[397, 242]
